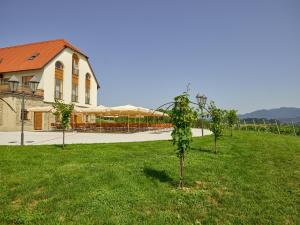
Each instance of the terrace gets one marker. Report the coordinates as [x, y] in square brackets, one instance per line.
[5, 89]
[120, 119]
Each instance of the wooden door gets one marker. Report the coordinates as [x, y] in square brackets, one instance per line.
[38, 120]
[77, 119]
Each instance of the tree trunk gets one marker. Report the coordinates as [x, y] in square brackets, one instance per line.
[231, 131]
[181, 170]
[215, 145]
[63, 138]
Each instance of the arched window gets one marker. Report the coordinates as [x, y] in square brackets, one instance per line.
[87, 88]
[59, 65]
[59, 77]
[75, 64]
[87, 76]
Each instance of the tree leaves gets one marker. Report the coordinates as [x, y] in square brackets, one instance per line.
[217, 121]
[63, 112]
[182, 117]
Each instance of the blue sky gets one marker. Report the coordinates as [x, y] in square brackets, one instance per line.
[241, 54]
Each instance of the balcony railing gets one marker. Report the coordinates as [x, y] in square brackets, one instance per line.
[4, 88]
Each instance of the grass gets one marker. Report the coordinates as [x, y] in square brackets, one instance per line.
[254, 179]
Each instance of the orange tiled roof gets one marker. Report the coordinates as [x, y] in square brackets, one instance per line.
[15, 58]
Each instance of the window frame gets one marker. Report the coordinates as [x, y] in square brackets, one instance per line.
[76, 93]
[60, 91]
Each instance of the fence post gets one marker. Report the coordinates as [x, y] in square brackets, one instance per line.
[277, 127]
[294, 128]
[100, 124]
[245, 125]
[254, 125]
[265, 125]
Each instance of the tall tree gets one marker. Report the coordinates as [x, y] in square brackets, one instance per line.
[63, 113]
[216, 122]
[182, 117]
[232, 119]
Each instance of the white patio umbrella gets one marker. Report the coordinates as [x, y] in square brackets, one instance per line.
[100, 109]
[124, 110]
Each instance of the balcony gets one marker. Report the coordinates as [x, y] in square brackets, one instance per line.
[5, 89]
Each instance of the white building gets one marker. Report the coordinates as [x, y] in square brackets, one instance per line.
[64, 73]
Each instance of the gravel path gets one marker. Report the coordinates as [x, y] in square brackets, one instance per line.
[48, 138]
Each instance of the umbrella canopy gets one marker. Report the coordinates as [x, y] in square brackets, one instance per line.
[158, 113]
[134, 111]
[151, 112]
[125, 110]
[100, 109]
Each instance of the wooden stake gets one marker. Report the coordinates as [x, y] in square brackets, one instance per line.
[128, 124]
[265, 125]
[100, 124]
[245, 125]
[254, 125]
[294, 128]
[277, 127]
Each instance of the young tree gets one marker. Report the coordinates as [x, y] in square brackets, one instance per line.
[182, 117]
[217, 121]
[232, 118]
[63, 112]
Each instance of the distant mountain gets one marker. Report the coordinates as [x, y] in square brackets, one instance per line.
[283, 114]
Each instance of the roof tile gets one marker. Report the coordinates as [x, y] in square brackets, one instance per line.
[15, 58]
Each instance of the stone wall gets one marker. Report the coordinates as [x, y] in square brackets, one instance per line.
[10, 119]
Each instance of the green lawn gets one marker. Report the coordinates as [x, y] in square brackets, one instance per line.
[254, 179]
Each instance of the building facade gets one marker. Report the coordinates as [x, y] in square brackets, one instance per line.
[63, 71]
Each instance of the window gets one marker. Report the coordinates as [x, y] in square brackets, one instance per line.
[33, 56]
[74, 92]
[74, 96]
[87, 96]
[58, 88]
[75, 62]
[25, 114]
[25, 80]
[59, 65]
[87, 88]
[59, 77]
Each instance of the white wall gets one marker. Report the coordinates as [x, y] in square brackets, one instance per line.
[48, 81]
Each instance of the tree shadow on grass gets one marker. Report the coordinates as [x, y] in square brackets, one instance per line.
[205, 150]
[159, 175]
[60, 146]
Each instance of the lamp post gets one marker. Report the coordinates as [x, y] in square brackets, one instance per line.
[13, 84]
[201, 100]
